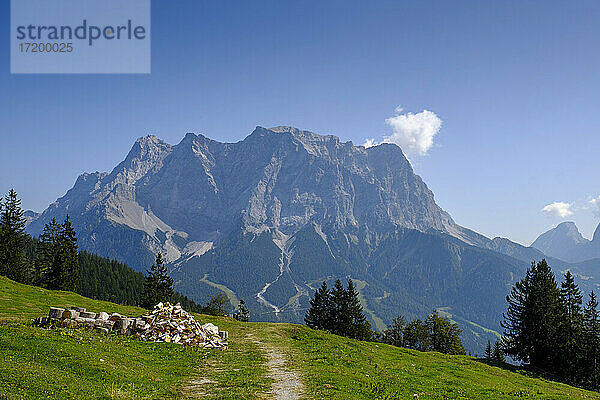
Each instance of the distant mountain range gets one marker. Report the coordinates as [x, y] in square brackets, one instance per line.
[267, 219]
[30, 216]
[566, 242]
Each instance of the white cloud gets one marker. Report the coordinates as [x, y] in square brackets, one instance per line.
[558, 209]
[414, 133]
[595, 202]
[370, 143]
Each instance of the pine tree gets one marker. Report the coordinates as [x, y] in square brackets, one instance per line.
[243, 314]
[50, 258]
[217, 305]
[444, 335]
[416, 335]
[67, 275]
[488, 351]
[57, 266]
[393, 334]
[570, 329]
[591, 342]
[13, 240]
[497, 354]
[533, 318]
[357, 325]
[158, 286]
[339, 311]
[318, 315]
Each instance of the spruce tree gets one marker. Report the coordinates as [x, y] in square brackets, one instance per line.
[393, 334]
[497, 354]
[57, 266]
[488, 351]
[158, 286]
[48, 265]
[67, 274]
[339, 311]
[570, 329]
[13, 240]
[416, 336]
[444, 335]
[356, 324]
[243, 314]
[532, 321]
[591, 342]
[318, 315]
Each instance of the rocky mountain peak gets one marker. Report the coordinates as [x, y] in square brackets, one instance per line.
[570, 230]
[147, 146]
[565, 242]
[30, 216]
[279, 178]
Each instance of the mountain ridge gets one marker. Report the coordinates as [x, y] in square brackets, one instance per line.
[268, 217]
[566, 242]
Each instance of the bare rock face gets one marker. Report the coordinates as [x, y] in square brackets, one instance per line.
[179, 199]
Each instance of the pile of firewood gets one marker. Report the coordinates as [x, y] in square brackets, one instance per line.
[166, 323]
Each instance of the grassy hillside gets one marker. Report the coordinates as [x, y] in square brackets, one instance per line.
[69, 364]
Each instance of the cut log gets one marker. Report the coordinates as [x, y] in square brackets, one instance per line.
[115, 317]
[70, 314]
[102, 315]
[56, 312]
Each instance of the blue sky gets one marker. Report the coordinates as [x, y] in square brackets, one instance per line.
[516, 85]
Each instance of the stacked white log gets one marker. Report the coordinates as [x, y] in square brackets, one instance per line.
[166, 323]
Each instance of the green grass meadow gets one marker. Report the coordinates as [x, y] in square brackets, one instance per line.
[78, 364]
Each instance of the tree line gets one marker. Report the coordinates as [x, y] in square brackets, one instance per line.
[338, 311]
[547, 327]
[435, 333]
[53, 261]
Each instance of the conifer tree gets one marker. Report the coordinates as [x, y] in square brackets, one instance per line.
[497, 353]
[416, 335]
[488, 351]
[243, 314]
[444, 335]
[217, 305]
[318, 315]
[13, 240]
[67, 274]
[355, 324]
[532, 321]
[394, 333]
[58, 264]
[591, 342]
[339, 311]
[571, 328]
[50, 257]
[158, 286]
